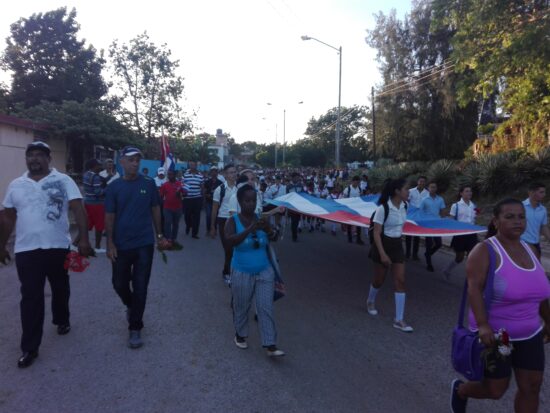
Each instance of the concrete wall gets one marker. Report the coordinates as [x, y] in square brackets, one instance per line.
[13, 142]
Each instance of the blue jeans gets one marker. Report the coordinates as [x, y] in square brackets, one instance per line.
[208, 210]
[133, 268]
[171, 223]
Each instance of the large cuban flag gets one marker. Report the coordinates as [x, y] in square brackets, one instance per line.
[357, 211]
[166, 157]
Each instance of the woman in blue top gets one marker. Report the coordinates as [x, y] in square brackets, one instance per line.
[251, 271]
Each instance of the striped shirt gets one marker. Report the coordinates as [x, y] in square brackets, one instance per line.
[94, 188]
[193, 184]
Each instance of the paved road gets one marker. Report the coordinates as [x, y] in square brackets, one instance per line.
[339, 359]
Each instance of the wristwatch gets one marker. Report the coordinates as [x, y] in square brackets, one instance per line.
[160, 236]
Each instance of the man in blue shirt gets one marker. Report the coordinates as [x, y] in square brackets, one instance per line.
[132, 207]
[536, 215]
[433, 205]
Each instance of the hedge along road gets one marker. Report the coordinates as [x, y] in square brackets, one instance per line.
[339, 359]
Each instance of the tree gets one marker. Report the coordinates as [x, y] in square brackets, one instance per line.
[50, 63]
[418, 116]
[355, 124]
[151, 90]
[503, 48]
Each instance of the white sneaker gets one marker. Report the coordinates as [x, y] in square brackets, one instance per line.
[242, 344]
[401, 325]
[371, 308]
[100, 250]
[275, 353]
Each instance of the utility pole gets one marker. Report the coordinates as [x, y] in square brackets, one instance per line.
[284, 137]
[373, 126]
[275, 146]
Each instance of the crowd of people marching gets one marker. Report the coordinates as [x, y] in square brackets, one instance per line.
[134, 211]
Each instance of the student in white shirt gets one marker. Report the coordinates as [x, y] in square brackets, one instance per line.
[416, 195]
[463, 211]
[354, 191]
[37, 206]
[109, 174]
[387, 250]
[220, 213]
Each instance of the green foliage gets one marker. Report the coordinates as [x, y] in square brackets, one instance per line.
[443, 172]
[150, 88]
[499, 173]
[49, 63]
[418, 116]
[503, 47]
[88, 122]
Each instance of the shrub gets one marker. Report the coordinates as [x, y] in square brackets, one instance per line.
[443, 172]
[500, 173]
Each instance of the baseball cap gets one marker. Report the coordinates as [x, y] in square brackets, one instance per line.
[130, 151]
[213, 168]
[38, 145]
[161, 171]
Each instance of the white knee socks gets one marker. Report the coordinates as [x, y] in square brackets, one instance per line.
[399, 306]
[372, 294]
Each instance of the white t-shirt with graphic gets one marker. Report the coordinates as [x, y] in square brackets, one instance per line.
[42, 210]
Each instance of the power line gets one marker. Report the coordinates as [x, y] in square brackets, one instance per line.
[419, 82]
[408, 79]
[329, 126]
[433, 74]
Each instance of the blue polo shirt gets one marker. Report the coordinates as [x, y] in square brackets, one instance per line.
[536, 218]
[131, 202]
[432, 206]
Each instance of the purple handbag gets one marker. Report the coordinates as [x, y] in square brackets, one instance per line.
[467, 349]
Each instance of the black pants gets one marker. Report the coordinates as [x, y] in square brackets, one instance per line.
[192, 209]
[294, 221]
[33, 267]
[228, 251]
[415, 245]
[357, 232]
[432, 245]
[133, 268]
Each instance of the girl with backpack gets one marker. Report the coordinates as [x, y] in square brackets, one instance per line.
[463, 211]
[387, 248]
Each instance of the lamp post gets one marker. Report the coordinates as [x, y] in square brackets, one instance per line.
[337, 137]
[284, 135]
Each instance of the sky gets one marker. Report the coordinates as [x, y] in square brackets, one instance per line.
[237, 56]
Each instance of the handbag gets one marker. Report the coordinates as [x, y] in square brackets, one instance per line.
[467, 349]
[280, 288]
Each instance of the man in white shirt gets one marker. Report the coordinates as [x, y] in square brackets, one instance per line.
[416, 195]
[220, 213]
[37, 205]
[160, 179]
[109, 174]
[354, 191]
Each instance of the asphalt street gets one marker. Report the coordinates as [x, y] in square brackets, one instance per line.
[339, 358]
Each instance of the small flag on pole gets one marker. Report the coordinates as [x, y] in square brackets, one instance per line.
[166, 157]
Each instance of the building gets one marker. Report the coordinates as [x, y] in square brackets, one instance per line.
[221, 148]
[15, 135]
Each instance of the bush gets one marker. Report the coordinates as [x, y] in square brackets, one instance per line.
[443, 172]
[500, 173]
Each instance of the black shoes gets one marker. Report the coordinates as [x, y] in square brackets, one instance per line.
[195, 237]
[458, 404]
[360, 242]
[63, 329]
[26, 359]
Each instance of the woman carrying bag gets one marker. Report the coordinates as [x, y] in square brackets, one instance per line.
[519, 302]
[252, 273]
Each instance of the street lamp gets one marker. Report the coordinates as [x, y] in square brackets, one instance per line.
[339, 50]
[284, 134]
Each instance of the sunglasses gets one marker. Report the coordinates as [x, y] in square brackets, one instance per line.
[256, 240]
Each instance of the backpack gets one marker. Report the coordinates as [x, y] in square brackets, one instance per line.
[349, 192]
[386, 213]
[222, 195]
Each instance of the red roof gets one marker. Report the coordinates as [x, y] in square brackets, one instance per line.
[22, 123]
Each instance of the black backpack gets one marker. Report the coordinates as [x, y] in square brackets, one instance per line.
[386, 213]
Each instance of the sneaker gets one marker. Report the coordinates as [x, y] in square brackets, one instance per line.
[63, 329]
[100, 250]
[227, 279]
[134, 341]
[401, 325]
[240, 342]
[458, 404]
[371, 308]
[273, 351]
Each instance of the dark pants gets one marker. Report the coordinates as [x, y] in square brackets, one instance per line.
[171, 223]
[208, 209]
[357, 232]
[227, 250]
[33, 267]
[192, 208]
[432, 245]
[133, 267]
[415, 241]
[294, 221]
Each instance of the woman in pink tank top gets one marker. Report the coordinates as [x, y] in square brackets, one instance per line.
[519, 305]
